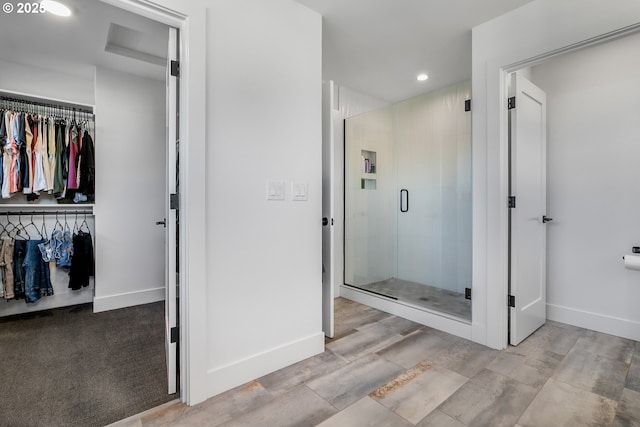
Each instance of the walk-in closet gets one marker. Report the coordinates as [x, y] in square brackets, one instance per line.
[83, 211]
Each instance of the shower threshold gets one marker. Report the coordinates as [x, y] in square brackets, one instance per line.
[425, 296]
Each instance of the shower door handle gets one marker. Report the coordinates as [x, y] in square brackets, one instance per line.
[404, 200]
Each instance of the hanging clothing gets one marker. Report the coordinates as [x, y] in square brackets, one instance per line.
[3, 138]
[74, 151]
[20, 138]
[40, 153]
[87, 170]
[58, 181]
[41, 164]
[51, 141]
[6, 265]
[19, 252]
[37, 275]
[25, 156]
[10, 153]
[82, 262]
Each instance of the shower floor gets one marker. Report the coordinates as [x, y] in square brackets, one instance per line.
[425, 296]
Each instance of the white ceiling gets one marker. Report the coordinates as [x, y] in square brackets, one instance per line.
[378, 47]
[75, 45]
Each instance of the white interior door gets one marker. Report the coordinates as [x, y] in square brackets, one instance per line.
[527, 264]
[172, 216]
[328, 208]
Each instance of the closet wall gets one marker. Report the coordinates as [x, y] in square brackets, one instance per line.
[130, 151]
[592, 175]
[46, 83]
[130, 188]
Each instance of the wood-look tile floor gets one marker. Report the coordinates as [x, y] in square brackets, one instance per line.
[382, 370]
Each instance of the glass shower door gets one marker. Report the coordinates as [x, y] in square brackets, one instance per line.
[433, 163]
[408, 201]
[369, 186]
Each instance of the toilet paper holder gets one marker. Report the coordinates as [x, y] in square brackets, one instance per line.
[635, 250]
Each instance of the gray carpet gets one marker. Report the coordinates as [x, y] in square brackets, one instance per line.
[70, 367]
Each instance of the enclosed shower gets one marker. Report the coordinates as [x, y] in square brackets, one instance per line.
[408, 202]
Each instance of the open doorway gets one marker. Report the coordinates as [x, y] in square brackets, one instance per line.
[591, 129]
[125, 84]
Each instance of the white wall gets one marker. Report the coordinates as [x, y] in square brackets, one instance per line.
[45, 83]
[592, 171]
[508, 42]
[130, 151]
[263, 258]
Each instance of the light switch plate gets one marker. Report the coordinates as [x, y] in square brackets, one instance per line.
[299, 191]
[275, 190]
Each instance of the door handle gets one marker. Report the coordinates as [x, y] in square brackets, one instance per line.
[404, 207]
[162, 223]
[546, 219]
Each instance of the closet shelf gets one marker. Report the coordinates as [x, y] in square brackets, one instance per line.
[47, 206]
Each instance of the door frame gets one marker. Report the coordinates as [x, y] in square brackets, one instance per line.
[328, 220]
[491, 179]
[190, 19]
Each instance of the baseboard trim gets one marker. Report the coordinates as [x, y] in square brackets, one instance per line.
[434, 320]
[58, 300]
[597, 322]
[226, 377]
[129, 299]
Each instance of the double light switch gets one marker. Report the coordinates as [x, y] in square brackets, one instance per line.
[276, 190]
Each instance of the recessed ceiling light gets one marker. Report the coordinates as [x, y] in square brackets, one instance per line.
[56, 8]
[422, 77]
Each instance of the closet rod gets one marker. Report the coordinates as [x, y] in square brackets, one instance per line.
[45, 103]
[39, 213]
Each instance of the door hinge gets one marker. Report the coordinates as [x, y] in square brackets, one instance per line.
[175, 68]
[467, 293]
[175, 334]
[511, 103]
[512, 301]
[174, 202]
[467, 105]
[512, 202]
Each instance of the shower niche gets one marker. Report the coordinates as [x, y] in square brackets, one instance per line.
[368, 179]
